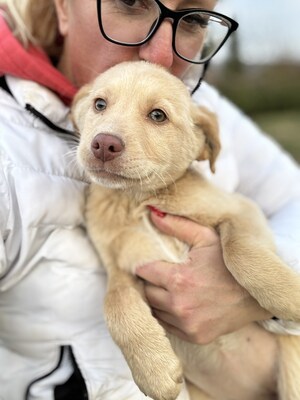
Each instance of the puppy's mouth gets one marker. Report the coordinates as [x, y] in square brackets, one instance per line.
[105, 174]
[117, 173]
[109, 178]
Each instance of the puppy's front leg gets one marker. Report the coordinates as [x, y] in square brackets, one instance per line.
[148, 352]
[257, 267]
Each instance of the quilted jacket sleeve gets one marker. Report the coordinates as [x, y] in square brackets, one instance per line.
[4, 216]
[265, 173]
[271, 178]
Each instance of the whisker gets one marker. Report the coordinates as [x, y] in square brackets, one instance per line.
[71, 158]
[73, 164]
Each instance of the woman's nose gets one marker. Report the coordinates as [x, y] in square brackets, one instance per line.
[159, 49]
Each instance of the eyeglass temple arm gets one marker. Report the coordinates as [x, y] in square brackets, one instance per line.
[205, 68]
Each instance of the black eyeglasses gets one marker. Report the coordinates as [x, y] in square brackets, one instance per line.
[198, 34]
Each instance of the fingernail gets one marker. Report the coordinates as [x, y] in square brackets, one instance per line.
[157, 212]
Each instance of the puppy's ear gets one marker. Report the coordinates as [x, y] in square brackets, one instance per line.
[78, 108]
[207, 123]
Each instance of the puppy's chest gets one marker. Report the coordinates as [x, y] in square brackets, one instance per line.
[143, 243]
[122, 229]
[164, 247]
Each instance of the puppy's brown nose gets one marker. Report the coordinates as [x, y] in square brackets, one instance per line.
[107, 147]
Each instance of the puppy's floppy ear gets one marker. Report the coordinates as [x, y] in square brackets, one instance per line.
[78, 108]
[207, 123]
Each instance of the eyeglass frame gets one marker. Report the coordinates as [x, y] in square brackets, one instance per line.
[175, 16]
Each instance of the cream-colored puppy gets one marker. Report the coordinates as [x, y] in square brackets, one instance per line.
[139, 134]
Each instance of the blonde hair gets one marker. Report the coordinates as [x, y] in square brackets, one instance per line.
[34, 21]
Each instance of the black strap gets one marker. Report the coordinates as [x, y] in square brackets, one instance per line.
[75, 387]
[3, 84]
[62, 349]
[46, 121]
[33, 111]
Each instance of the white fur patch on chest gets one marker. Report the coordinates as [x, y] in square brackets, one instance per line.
[171, 249]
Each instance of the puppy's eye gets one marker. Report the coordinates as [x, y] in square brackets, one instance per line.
[100, 104]
[157, 115]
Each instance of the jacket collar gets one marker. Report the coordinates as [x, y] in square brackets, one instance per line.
[39, 97]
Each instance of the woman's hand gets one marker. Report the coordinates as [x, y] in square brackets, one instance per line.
[198, 300]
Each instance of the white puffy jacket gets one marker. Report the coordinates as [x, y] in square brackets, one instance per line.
[51, 283]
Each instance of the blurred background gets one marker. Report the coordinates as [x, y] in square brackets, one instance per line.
[259, 67]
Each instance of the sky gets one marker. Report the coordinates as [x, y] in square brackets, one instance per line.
[269, 30]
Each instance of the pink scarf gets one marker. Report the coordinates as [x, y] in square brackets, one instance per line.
[32, 64]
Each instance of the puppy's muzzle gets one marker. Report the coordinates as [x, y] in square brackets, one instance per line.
[107, 147]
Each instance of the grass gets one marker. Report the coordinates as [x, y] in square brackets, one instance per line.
[269, 94]
[284, 126]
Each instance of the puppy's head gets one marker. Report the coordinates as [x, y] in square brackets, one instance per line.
[139, 128]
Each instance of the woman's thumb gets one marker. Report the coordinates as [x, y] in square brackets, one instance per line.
[182, 228]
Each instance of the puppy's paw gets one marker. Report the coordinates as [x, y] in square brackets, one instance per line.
[156, 369]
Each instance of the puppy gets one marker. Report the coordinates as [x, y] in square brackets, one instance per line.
[139, 135]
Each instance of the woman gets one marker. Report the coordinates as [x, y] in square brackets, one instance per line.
[54, 343]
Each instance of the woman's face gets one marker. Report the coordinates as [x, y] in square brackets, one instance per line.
[87, 53]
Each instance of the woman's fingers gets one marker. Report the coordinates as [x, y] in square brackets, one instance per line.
[157, 273]
[184, 229]
[158, 297]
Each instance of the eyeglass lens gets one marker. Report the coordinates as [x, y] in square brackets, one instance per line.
[198, 33]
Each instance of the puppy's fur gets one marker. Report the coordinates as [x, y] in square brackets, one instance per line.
[136, 156]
